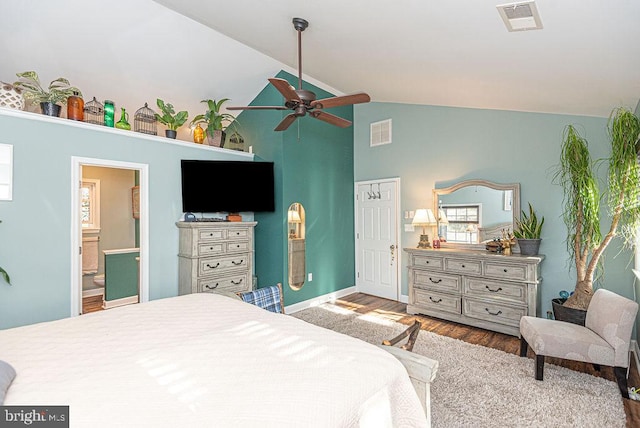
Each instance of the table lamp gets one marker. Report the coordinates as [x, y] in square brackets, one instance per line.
[424, 218]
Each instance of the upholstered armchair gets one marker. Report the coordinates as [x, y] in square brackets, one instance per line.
[603, 340]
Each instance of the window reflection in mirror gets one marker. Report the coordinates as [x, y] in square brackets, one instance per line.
[472, 212]
[296, 227]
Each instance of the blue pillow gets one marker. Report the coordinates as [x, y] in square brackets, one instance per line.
[7, 373]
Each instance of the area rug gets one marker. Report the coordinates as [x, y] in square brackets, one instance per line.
[477, 386]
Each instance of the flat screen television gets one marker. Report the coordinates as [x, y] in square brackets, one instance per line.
[210, 186]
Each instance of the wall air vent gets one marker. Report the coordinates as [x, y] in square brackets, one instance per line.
[380, 133]
[520, 16]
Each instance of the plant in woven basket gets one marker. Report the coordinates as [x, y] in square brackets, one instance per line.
[576, 173]
[57, 92]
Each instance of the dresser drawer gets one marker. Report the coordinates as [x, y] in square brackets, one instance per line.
[429, 262]
[437, 301]
[212, 234]
[436, 281]
[463, 266]
[212, 248]
[238, 233]
[233, 283]
[499, 290]
[501, 313]
[505, 271]
[212, 265]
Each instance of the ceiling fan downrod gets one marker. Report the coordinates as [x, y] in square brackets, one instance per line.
[300, 25]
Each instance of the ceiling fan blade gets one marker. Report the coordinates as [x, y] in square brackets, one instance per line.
[330, 118]
[287, 91]
[286, 122]
[341, 100]
[258, 108]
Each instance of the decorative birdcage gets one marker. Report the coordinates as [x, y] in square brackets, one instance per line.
[94, 112]
[145, 121]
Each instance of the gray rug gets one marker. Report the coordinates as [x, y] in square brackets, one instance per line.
[482, 387]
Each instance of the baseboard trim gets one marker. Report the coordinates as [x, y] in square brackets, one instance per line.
[330, 297]
[404, 299]
[108, 304]
[93, 292]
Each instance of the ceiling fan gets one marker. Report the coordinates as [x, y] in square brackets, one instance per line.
[301, 101]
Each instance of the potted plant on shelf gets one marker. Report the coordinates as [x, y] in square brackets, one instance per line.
[216, 122]
[57, 92]
[576, 173]
[527, 232]
[170, 118]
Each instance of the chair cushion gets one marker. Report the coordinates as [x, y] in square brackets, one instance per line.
[267, 298]
[561, 339]
[612, 317]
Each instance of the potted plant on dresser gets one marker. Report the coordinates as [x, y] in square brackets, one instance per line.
[576, 173]
[50, 98]
[528, 231]
[170, 118]
[215, 122]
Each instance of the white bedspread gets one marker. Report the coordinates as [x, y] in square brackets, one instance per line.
[205, 360]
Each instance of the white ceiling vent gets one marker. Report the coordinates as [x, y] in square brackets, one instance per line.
[380, 133]
[520, 16]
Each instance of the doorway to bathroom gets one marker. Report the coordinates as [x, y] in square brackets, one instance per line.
[110, 233]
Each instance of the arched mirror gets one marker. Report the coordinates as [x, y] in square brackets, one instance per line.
[296, 227]
[474, 212]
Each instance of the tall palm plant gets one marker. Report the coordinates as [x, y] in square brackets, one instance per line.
[582, 198]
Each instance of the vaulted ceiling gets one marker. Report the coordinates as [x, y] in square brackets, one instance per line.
[439, 52]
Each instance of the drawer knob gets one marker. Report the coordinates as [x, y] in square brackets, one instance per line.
[212, 267]
[493, 291]
[237, 263]
[236, 283]
[211, 248]
[463, 265]
[505, 270]
[210, 287]
[427, 262]
[435, 301]
[492, 313]
[438, 281]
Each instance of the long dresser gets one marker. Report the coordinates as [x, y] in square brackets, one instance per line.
[477, 288]
[215, 257]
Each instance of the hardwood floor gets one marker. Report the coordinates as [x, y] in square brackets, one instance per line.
[396, 311]
[91, 304]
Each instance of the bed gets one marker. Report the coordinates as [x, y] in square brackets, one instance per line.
[207, 360]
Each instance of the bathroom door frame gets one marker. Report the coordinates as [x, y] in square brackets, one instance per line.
[76, 225]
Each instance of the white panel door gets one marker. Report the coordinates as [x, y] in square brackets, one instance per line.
[377, 238]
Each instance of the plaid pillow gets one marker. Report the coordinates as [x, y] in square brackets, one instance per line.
[267, 298]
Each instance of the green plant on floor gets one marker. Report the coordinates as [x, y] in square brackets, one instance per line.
[57, 92]
[528, 226]
[4, 273]
[576, 173]
[169, 117]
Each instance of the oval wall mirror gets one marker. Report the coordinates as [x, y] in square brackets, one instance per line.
[474, 212]
[296, 227]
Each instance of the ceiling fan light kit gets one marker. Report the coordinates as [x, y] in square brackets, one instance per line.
[301, 101]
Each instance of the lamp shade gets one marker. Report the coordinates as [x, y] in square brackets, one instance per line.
[293, 216]
[424, 217]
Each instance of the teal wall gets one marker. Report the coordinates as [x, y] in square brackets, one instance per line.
[35, 233]
[437, 146]
[314, 166]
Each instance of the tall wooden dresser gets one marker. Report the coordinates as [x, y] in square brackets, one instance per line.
[477, 288]
[215, 257]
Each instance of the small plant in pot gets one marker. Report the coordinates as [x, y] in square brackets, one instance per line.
[50, 98]
[170, 118]
[527, 232]
[216, 122]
